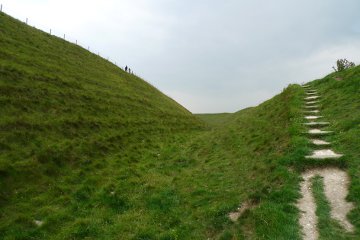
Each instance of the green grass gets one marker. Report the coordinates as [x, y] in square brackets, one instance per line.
[96, 153]
[74, 128]
[328, 228]
[215, 119]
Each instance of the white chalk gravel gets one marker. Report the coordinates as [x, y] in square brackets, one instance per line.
[319, 142]
[311, 102]
[324, 154]
[312, 117]
[316, 131]
[316, 123]
[312, 111]
[336, 182]
[312, 97]
[312, 107]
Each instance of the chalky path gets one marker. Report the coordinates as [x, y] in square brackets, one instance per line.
[336, 181]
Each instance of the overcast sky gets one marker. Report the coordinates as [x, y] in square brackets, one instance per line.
[208, 55]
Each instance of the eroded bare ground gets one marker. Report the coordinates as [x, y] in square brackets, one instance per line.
[307, 207]
[336, 182]
[234, 216]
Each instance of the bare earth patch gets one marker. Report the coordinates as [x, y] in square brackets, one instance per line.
[234, 216]
[336, 183]
[308, 219]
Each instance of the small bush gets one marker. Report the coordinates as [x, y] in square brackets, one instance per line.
[342, 64]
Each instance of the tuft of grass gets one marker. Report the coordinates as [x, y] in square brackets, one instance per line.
[328, 228]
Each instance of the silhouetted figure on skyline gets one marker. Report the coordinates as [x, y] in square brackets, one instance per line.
[126, 68]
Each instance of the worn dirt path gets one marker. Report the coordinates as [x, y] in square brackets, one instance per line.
[336, 184]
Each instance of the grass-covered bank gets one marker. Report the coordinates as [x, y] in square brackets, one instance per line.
[262, 142]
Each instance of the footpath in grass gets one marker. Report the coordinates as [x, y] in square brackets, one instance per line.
[331, 208]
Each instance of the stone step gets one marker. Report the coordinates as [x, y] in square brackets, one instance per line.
[312, 102]
[319, 142]
[312, 111]
[311, 93]
[305, 86]
[324, 154]
[312, 117]
[317, 124]
[312, 97]
[316, 131]
[311, 107]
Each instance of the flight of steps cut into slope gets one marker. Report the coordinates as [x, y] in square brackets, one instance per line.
[335, 180]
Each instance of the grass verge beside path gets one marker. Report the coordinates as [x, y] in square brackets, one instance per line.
[267, 145]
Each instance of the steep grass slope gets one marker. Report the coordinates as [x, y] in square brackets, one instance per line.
[64, 100]
[65, 114]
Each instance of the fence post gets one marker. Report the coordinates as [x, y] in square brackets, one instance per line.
[26, 20]
[0, 7]
[50, 31]
[76, 42]
[64, 35]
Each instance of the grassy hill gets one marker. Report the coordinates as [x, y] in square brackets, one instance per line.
[66, 116]
[88, 151]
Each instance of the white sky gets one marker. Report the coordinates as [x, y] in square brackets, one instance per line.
[209, 55]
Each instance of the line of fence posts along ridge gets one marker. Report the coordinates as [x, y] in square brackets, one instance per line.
[76, 42]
